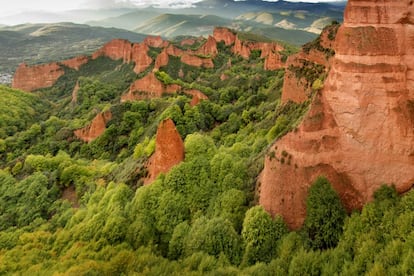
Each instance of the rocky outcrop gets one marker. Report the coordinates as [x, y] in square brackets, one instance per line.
[140, 57]
[197, 96]
[30, 78]
[268, 50]
[162, 59]
[154, 41]
[128, 52]
[115, 49]
[169, 151]
[197, 61]
[209, 48]
[95, 129]
[225, 35]
[359, 132]
[148, 87]
[305, 67]
[76, 62]
[273, 61]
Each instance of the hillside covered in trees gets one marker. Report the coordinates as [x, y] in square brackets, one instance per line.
[71, 206]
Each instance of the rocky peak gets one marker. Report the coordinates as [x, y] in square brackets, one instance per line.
[95, 129]
[359, 132]
[115, 49]
[154, 41]
[209, 48]
[140, 57]
[224, 34]
[169, 150]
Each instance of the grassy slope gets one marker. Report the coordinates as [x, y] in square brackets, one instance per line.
[18, 110]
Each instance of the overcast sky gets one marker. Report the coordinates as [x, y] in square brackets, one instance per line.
[14, 6]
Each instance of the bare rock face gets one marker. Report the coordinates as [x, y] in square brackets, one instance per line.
[193, 60]
[154, 41]
[224, 34]
[359, 132]
[129, 52]
[76, 62]
[197, 95]
[140, 57]
[269, 51]
[95, 129]
[209, 48]
[188, 42]
[30, 78]
[162, 59]
[115, 49]
[148, 87]
[169, 151]
[303, 68]
[273, 62]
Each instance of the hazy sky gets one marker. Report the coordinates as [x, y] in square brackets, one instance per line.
[15, 6]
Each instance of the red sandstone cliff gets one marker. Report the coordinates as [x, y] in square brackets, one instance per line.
[193, 60]
[162, 59]
[30, 78]
[155, 41]
[314, 60]
[169, 151]
[115, 49]
[359, 132]
[140, 57]
[95, 129]
[148, 87]
[224, 34]
[76, 62]
[128, 52]
[269, 51]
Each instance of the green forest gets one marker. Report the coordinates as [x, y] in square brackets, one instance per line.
[73, 208]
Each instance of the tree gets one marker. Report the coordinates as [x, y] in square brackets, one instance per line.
[260, 235]
[324, 215]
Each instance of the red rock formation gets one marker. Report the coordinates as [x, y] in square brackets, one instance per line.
[140, 57]
[196, 61]
[174, 51]
[75, 93]
[115, 49]
[162, 59]
[273, 61]
[95, 129]
[154, 41]
[128, 52]
[188, 42]
[197, 95]
[169, 151]
[30, 78]
[241, 48]
[209, 48]
[313, 54]
[359, 132]
[76, 62]
[148, 87]
[224, 34]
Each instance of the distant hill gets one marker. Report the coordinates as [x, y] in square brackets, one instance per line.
[128, 21]
[36, 43]
[170, 25]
